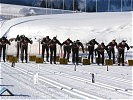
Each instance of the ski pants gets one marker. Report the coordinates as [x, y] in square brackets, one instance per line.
[112, 52]
[99, 57]
[75, 56]
[91, 50]
[3, 48]
[24, 49]
[67, 51]
[121, 53]
[53, 54]
[91, 54]
[47, 52]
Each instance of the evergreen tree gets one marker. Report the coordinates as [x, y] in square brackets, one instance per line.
[43, 4]
[61, 5]
[76, 5]
[71, 6]
[52, 5]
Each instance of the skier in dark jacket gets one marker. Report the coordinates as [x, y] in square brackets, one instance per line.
[75, 51]
[100, 50]
[67, 48]
[91, 45]
[121, 48]
[45, 45]
[24, 47]
[52, 45]
[17, 39]
[111, 50]
[3, 42]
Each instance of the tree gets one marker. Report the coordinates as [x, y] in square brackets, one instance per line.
[74, 5]
[61, 5]
[71, 6]
[52, 5]
[43, 4]
[48, 3]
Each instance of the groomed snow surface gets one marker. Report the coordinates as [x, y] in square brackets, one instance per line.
[46, 81]
[50, 81]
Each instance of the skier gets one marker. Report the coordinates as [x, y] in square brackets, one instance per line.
[67, 48]
[91, 45]
[75, 51]
[52, 45]
[17, 39]
[3, 42]
[24, 47]
[100, 50]
[121, 48]
[45, 45]
[111, 49]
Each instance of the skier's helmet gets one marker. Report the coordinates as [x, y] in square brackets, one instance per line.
[102, 43]
[47, 37]
[54, 38]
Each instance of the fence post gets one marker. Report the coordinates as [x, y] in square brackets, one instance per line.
[93, 78]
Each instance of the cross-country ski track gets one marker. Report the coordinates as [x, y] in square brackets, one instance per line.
[53, 75]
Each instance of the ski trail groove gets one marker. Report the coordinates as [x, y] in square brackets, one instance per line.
[62, 86]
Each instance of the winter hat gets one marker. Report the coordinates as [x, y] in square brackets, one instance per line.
[102, 43]
[3, 37]
[113, 39]
[47, 37]
[54, 38]
[68, 39]
[93, 39]
[123, 40]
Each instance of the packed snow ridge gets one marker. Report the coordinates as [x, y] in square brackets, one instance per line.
[83, 26]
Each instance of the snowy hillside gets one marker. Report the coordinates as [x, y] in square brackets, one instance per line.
[84, 26]
[57, 81]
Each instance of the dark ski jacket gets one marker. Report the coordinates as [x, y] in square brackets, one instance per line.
[101, 48]
[4, 41]
[67, 42]
[45, 41]
[121, 46]
[111, 45]
[91, 45]
[52, 43]
[75, 46]
[24, 42]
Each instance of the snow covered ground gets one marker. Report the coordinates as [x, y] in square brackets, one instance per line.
[62, 82]
[50, 81]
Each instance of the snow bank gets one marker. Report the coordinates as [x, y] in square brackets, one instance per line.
[84, 26]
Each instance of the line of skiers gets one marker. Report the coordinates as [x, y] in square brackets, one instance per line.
[48, 43]
[68, 46]
[110, 48]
